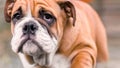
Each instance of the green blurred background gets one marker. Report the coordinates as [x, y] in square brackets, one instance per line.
[109, 11]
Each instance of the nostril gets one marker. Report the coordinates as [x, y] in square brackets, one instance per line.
[33, 28]
[25, 29]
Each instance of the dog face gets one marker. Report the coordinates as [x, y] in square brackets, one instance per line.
[37, 27]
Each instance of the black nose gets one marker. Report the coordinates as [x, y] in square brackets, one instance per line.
[30, 28]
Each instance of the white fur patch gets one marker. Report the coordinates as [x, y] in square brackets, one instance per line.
[25, 61]
[60, 61]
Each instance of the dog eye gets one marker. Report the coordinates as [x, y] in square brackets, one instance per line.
[17, 16]
[47, 17]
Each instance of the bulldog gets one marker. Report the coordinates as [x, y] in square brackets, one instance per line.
[56, 33]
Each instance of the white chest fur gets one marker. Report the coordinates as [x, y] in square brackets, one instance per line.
[59, 61]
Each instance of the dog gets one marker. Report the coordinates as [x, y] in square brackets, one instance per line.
[56, 33]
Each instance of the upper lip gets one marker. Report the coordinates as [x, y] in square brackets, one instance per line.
[22, 43]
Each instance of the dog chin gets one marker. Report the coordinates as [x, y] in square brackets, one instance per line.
[38, 55]
[31, 48]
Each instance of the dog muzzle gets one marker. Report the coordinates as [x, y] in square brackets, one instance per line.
[32, 38]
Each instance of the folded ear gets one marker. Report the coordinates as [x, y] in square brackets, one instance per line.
[69, 9]
[8, 9]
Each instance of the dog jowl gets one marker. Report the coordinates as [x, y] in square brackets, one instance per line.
[42, 29]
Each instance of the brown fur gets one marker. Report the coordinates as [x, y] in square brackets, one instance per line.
[82, 43]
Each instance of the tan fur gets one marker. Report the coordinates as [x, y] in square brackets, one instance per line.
[82, 43]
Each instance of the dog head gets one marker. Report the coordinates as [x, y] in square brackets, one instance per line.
[37, 26]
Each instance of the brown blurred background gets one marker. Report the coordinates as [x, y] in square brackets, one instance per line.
[109, 11]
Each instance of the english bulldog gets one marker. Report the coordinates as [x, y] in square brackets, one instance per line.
[56, 33]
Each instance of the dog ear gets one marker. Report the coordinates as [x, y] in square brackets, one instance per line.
[8, 9]
[69, 9]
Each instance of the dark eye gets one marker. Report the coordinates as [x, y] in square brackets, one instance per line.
[17, 16]
[47, 17]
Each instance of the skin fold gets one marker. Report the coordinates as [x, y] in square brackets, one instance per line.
[77, 34]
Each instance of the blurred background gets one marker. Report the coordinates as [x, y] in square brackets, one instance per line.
[109, 11]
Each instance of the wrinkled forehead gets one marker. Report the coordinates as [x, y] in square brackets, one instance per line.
[35, 5]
